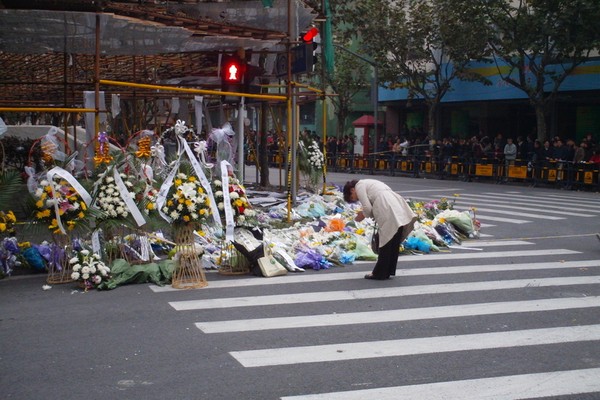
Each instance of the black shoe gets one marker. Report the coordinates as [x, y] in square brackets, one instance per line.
[371, 276]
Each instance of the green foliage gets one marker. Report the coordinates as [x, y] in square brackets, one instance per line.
[412, 42]
[10, 186]
[542, 42]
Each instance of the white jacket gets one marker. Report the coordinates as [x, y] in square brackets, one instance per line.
[386, 207]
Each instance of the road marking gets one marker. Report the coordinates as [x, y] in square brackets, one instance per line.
[340, 295]
[492, 243]
[513, 387]
[583, 205]
[315, 276]
[545, 208]
[414, 346]
[411, 314]
[482, 217]
[320, 276]
[510, 212]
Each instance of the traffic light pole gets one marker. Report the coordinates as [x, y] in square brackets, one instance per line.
[240, 149]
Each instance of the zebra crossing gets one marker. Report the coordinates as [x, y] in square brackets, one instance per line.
[546, 302]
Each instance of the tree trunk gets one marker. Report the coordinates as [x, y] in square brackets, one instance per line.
[540, 117]
[432, 121]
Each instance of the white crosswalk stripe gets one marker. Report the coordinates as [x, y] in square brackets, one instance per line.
[372, 317]
[404, 347]
[527, 386]
[542, 298]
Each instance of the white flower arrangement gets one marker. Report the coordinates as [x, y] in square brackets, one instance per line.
[108, 197]
[243, 214]
[311, 160]
[187, 200]
[89, 269]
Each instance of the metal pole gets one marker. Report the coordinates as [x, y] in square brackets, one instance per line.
[241, 140]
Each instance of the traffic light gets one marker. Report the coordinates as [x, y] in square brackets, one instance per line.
[233, 70]
[312, 41]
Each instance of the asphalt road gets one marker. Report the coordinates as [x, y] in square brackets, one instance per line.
[516, 315]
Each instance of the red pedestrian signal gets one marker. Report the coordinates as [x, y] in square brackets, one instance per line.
[232, 70]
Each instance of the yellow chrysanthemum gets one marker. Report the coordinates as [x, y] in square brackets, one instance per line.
[2, 226]
[178, 182]
[202, 211]
[39, 203]
[181, 200]
[442, 220]
[186, 218]
[360, 231]
[201, 233]
[150, 206]
[192, 179]
[169, 203]
[83, 205]
[24, 245]
[188, 202]
[11, 216]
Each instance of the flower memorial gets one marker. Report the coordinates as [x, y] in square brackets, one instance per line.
[7, 223]
[71, 207]
[311, 161]
[187, 200]
[243, 214]
[108, 196]
[89, 269]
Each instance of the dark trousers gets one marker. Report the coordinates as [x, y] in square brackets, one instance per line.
[388, 257]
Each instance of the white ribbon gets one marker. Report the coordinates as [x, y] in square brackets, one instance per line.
[161, 197]
[229, 223]
[158, 152]
[201, 148]
[203, 180]
[124, 192]
[85, 196]
[96, 248]
[3, 127]
[31, 179]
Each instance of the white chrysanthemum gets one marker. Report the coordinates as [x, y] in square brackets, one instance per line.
[174, 214]
[249, 213]
[165, 209]
[75, 276]
[74, 260]
[179, 207]
[241, 218]
[110, 179]
[234, 195]
[110, 190]
[85, 276]
[50, 203]
[218, 183]
[97, 279]
[85, 252]
[182, 176]
[218, 193]
[194, 215]
[92, 269]
[76, 206]
[220, 206]
[85, 270]
[76, 267]
[38, 192]
[120, 210]
[192, 207]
